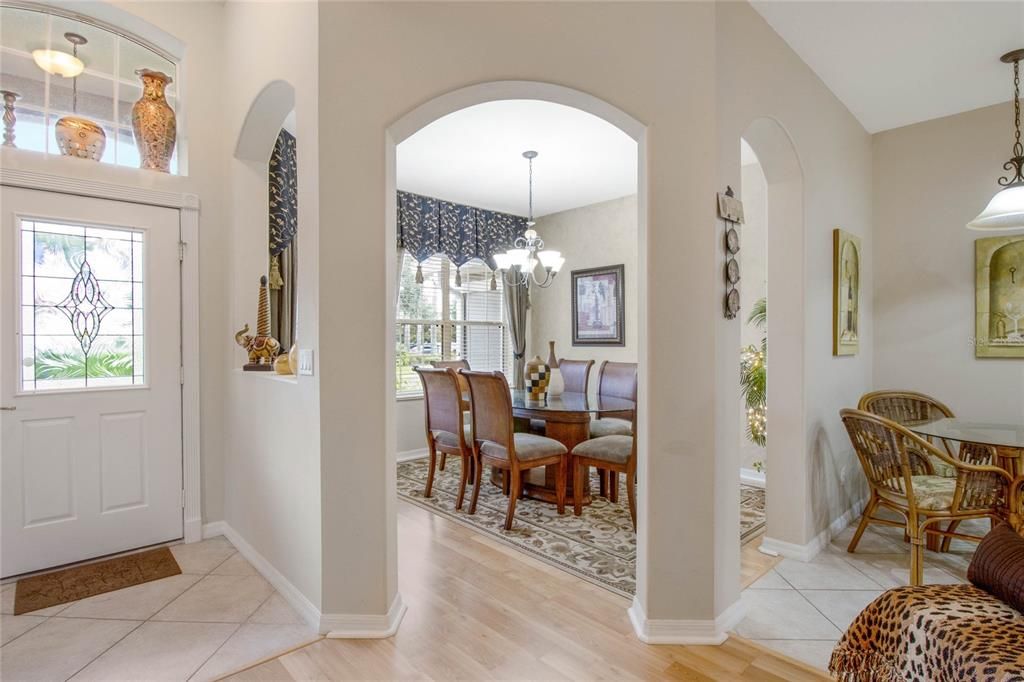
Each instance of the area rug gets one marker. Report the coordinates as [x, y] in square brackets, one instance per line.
[79, 582]
[599, 546]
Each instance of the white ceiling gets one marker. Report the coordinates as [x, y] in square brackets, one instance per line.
[474, 156]
[897, 63]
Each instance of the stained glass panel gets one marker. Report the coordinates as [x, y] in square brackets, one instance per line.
[82, 306]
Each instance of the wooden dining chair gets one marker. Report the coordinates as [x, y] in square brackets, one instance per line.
[463, 388]
[614, 380]
[884, 449]
[615, 453]
[495, 443]
[446, 431]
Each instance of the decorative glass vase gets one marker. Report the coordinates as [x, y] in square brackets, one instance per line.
[154, 123]
[556, 384]
[537, 376]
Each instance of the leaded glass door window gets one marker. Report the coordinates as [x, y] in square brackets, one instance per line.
[82, 306]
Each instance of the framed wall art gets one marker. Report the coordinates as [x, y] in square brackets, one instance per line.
[846, 257]
[999, 297]
[598, 307]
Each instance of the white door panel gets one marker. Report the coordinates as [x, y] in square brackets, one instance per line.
[90, 361]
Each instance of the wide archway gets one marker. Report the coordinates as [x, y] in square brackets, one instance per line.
[462, 99]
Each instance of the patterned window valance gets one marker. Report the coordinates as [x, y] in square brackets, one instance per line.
[284, 193]
[427, 226]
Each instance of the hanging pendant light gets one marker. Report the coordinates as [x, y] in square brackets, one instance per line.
[1006, 210]
[518, 265]
[77, 136]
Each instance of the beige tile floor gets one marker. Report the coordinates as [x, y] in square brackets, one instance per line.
[219, 615]
[801, 609]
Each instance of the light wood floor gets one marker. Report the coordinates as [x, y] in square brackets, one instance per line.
[479, 609]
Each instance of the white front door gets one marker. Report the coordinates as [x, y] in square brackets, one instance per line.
[90, 357]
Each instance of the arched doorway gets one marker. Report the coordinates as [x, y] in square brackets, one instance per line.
[462, 99]
[785, 471]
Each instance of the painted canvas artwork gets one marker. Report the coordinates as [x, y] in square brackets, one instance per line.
[846, 256]
[597, 307]
[999, 297]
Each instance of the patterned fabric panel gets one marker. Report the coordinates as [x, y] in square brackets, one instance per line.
[933, 493]
[932, 632]
[427, 226]
[458, 232]
[284, 193]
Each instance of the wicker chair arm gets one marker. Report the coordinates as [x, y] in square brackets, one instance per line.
[978, 486]
[927, 448]
[1017, 504]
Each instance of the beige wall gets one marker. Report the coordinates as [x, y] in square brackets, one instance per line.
[272, 444]
[588, 237]
[387, 59]
[813, 475]
[930, 179]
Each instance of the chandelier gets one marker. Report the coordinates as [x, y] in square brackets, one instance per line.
[1006, 210]
[518, 265]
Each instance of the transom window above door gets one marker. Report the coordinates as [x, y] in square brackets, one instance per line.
[81, 294]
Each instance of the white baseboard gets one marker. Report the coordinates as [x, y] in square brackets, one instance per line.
[752, 477]
[684, 631]
[353, 626]
[332, 625]
[298, 601]
[818, 542]
[411, 454]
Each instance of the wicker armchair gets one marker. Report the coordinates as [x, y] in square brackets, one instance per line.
[1017, 504]
[885, 449]
[909, 408]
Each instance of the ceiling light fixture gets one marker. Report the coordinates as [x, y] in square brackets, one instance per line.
[1006, 210]
[517, 265]
[61, 63]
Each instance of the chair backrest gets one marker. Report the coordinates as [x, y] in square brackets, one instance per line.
[491, 406]
[881, 447]
[904, 407]
[457, 365]
[575, 374]
[617, 380]
[442, 401]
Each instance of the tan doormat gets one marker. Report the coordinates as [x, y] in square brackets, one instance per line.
[79, 582]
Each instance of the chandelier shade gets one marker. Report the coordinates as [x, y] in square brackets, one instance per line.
[1004, 212]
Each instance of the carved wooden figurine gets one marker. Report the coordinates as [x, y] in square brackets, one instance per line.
[263, 347]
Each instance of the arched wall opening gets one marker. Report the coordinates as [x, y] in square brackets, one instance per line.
[455, 101]
[786, 471]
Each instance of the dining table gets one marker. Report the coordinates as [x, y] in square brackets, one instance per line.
[1007, 439]
[567, 420]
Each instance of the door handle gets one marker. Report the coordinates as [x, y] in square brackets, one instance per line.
[8, 409]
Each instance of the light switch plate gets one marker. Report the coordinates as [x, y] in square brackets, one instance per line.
[306, 361]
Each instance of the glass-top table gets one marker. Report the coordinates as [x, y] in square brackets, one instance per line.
[579, 403]
[1008, 439]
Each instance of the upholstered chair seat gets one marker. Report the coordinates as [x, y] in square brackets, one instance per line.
[615, 449]
[529, 447]
[934, 493]
[450, 439]
[610, 426]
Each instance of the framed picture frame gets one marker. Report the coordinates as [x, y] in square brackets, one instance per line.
[846, 258]
[999, 297]
[598, 306]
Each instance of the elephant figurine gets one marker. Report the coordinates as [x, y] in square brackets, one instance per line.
[263, 347]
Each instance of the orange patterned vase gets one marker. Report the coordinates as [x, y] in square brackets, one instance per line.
[154, 122]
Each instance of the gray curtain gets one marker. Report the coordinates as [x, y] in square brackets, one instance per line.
[517, 301]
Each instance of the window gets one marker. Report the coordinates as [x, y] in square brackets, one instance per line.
[442, 320]
[107, 89]
[81, 306]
